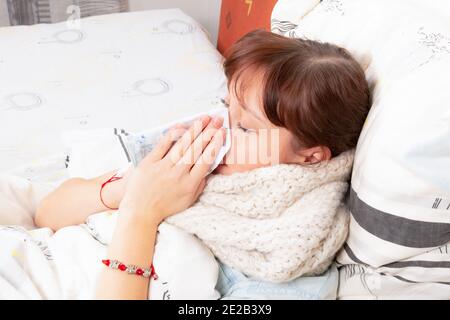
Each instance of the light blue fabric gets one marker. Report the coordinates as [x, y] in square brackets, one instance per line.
[232, 284]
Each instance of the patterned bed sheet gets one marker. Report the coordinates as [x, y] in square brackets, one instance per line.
[133, 70]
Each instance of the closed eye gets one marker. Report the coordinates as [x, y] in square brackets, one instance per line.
[239, 126]
[242, 128]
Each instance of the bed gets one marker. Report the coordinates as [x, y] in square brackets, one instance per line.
[158, 65]
[398, 244]
[131, 70]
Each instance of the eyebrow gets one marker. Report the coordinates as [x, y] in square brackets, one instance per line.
[246, 109]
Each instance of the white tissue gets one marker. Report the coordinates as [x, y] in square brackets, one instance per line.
[138, 145]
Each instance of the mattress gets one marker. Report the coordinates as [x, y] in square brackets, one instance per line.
[131, 70]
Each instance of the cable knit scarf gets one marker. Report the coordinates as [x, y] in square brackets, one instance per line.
[274, 223]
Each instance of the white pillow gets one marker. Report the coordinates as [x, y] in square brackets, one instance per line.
[186, 268]
[400, 195]
[287, 14]
[131, 70]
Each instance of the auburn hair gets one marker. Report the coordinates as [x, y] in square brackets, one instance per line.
[316, 90]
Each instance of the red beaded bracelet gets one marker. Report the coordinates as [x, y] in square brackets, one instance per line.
[131, 269]
[113, 178]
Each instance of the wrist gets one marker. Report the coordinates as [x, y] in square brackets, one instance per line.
[112, 193]
[138, 216]
[133, 240]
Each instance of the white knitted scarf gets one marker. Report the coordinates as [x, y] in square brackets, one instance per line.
[274, 223]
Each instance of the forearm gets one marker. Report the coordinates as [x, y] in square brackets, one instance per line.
[73, 201]
[157, 188]
[133, 243]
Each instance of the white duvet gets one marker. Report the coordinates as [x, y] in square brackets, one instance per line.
[40, 264]
[132, 70]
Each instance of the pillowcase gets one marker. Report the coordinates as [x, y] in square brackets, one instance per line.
[400, 186]
[132, 70]
[287, 14]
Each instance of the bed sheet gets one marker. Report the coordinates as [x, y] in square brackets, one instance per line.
[131, 70]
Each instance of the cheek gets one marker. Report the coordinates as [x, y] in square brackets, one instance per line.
[285, 147]
[255, 151]
[250, 151]
[234, 115]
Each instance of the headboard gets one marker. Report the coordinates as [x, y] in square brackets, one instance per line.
[237, 17]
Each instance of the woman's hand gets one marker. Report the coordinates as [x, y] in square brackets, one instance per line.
[171, 177]
[166, 181]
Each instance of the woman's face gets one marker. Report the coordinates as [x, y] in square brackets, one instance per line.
[255, 141]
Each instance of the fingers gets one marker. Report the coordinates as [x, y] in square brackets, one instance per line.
[195, 150]
[179, 149]
[203, 164]
[165, 143]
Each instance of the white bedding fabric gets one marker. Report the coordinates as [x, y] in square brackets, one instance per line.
[134, 71]
[40, 264]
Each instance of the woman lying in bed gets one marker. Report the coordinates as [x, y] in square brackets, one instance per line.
[272, 212]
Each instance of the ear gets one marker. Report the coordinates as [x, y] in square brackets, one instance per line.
[312, 155]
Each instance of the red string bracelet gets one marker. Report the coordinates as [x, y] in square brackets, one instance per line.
[113, 178]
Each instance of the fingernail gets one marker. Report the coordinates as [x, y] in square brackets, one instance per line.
[205, 119]
[218, 121]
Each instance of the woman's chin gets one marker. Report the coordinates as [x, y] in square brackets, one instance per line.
[229, 169]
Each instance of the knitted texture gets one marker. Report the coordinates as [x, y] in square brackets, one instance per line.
[274, 223]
